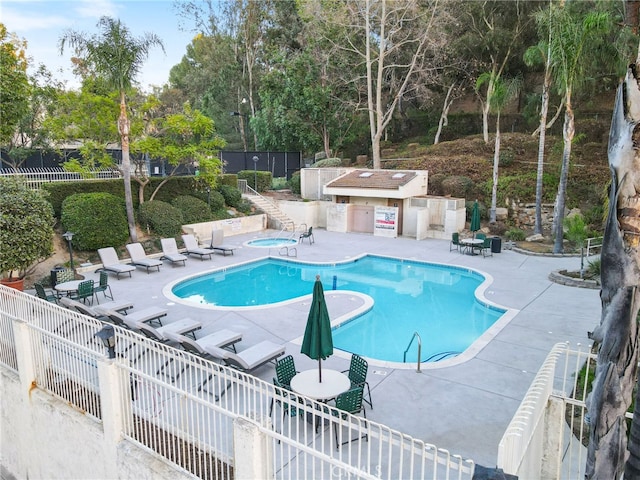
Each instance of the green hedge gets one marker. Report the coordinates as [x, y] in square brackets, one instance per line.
[294, 183]
[231, 195]
[97, 220]
[193, 209]
[161, 217]
[263, 179]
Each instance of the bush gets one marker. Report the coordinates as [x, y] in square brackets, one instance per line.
[231, 195]
[26, 228]
[294, 183]
[515, 234]
[484, 213]
[193, 209]
[97, 220]
[161, 217]
[217, 200]
[457, 186]
[506, 158]
[576, 230]
[435, 184]
[327, 162]
[263, 179]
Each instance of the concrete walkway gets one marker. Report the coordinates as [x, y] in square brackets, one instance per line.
[464, 408]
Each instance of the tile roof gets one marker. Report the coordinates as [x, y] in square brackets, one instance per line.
[378, 179]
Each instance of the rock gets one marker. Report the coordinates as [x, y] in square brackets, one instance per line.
[502, 213]
[535, 238]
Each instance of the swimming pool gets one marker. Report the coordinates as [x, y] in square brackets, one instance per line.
[271, 242]
[437, 301]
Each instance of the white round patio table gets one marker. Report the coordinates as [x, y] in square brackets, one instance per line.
[471, 244]
[333, 384]
[68, 287]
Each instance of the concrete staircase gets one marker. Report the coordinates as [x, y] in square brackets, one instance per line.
[271, 209]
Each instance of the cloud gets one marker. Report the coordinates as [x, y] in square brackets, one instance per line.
[96, 8]
[23, 21]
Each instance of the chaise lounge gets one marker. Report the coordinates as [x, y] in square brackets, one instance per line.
[111, 262]
[139, 257]
[217, 243]
[251, 358]
[148, 315]
[170, 251]
[192, 247]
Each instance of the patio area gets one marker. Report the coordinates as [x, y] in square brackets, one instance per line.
[463, 408]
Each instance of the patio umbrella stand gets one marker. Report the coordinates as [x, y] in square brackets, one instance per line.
[475, 219]
[317, 342]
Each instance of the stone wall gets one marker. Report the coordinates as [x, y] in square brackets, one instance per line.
[523, 215]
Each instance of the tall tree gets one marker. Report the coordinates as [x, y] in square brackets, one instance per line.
[387, 41]
[572, 32]
[14, 85]
[118, 57]
[504, 90]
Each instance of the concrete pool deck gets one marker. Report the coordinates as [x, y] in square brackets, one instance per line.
[463, 408]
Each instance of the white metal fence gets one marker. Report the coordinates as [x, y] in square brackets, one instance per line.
[35, 177]
[183, 407]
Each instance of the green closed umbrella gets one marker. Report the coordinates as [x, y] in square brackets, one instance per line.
[475, 218]
[318, 342]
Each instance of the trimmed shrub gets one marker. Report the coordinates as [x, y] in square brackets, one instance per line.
[217, 201]
[515, 234]
[457, 186]
[328, 162]
[435, 183]
[97, 220]
[294, 183]
[193, 209]
[263, 179]
[231, 195]
[161, 217]
[482, 208]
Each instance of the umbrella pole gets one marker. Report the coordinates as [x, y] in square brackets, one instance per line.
[320, 370]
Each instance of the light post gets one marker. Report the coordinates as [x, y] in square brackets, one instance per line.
[242, 130]
[209, 196]
[255, 172]
[68, 236]
[108, 337]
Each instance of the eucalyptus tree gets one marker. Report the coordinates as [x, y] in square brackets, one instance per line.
[504, 90]
[386, 42]
[116, 56]
[14, 85]
[571, 33]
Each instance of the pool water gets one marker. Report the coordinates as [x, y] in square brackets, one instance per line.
[437, 301]
[271, 242]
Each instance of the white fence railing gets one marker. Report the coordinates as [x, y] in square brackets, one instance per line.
[184, 408]
[35, 177]
[548, 435]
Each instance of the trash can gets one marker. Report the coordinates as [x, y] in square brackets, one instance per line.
[54, 275]
[496, 245]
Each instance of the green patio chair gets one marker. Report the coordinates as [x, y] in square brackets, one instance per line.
[42, 293]
[455, 244]
[85, 291]
[285, 370]
[486, 248]
[349, 402]
[357, 374]
[308, 235]
[103, 286]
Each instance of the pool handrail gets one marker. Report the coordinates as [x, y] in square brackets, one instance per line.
[404, 357]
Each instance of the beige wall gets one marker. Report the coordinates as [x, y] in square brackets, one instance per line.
[231, 226]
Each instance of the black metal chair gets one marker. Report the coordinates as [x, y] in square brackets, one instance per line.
[309, 235]
[357, 374]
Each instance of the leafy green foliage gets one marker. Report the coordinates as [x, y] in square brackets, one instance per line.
[515, 234]
[294, 183]
[482, 208]
[576, 230]
[163, 218]
[435, 183]
[328, 162]
[457, 186]
[26, 228]
[97, 220]
[193, 209]
[231, 195]
[14, 84]
[263, 179]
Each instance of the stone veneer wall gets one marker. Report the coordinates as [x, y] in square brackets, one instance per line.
[524, 215]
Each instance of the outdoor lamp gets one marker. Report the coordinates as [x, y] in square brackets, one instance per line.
[68, 236]
[255, 174]
[108, 337]
[209, 196]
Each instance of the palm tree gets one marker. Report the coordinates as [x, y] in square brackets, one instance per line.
[117, 57]
[569, 37]
[504, 90]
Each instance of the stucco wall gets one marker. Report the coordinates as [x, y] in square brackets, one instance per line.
[43, 437]
[313, 214]
[231, 226]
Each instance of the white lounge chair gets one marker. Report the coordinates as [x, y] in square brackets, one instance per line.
[220, 339]
[111, 262]
[217, 243]
[139, 257]
[148, 315]
[251, 358]
[96, 311]
[192, 247]
[170, 251]
[166, 333]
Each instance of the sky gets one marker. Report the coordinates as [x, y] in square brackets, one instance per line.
[42, 22]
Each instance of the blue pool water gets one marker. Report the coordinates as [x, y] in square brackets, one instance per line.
[437, 301]
[271, 242]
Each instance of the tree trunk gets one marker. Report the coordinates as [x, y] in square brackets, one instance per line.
[544, 109]
[568, 132]
[123, 130]
[496, 165]
[616, 369]
[444, 116]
